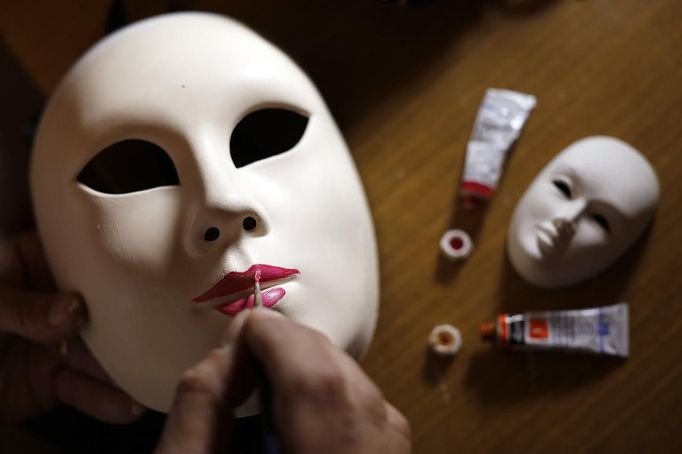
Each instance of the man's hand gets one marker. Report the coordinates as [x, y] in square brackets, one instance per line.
[41, 360]
[322, 401]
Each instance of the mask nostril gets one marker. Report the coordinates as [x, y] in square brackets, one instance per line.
[211, 234]
[249, 223]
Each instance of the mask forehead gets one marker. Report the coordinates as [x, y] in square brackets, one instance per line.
[609, 171]
[161, 76]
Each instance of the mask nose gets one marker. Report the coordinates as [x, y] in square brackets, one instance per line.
[565, 221]
[224, 221]
[222, 208]
[249, 224]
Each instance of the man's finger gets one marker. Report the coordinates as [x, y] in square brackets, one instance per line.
[96, 398]
[79, 358]
[201, 419]
[320, 386]
[272, 338]
[242, 383]
[35, 263]
[42, 317]
[23, 263]
[400, 438]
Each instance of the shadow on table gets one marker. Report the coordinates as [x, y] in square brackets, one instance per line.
[499, 377]
[516, 295]
[358, 53]
[435, 367]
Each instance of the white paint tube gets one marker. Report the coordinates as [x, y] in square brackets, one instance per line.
[600, 330]
[499, 122]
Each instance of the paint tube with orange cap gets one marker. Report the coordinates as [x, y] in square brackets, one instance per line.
[600, 330]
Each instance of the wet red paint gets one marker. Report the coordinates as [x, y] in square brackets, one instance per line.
[269, 297]
[456, 243]
[237, 281]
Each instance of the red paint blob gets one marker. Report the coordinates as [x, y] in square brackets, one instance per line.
[456, 243]
[445, 338]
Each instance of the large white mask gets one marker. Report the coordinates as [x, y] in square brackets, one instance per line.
[177, 158]
[583, 210]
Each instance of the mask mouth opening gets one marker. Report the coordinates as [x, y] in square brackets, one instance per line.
[128, 166]
[266, 132]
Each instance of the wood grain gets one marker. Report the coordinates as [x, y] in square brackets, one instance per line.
[405, 85]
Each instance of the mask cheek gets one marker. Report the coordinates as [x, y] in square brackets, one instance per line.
[140, 231]
[535, 208]
[590, 243]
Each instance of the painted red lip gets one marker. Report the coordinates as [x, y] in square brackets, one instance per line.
[238, 281]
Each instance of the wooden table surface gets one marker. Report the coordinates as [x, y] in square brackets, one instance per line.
[405, 85]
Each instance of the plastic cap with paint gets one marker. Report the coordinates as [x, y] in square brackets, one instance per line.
[456, 244]
[445, 340]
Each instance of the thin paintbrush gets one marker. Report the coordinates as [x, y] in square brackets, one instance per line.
[218, 302]
[270, 444]
[257, 299]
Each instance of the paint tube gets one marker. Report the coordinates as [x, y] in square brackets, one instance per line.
[499, 122]
[601, 330]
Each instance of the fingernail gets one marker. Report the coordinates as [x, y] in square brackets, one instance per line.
[74, 306]
[136, 409]
[62, 311]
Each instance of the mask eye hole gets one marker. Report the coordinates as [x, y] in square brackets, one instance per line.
[265, 133]
[564, 187]
[129, 166]
[602, 222]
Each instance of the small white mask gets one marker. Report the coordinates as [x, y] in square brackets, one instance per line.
[583, 210]
[219, 154]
